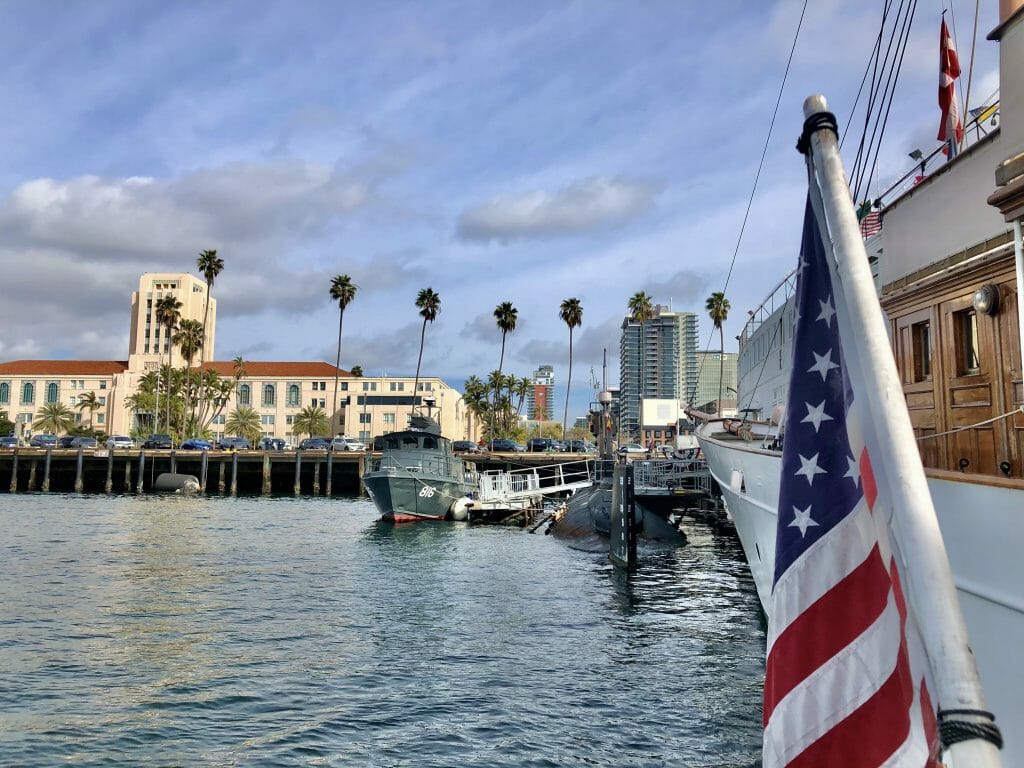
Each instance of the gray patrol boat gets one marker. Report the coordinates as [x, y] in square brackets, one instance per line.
[418, 477]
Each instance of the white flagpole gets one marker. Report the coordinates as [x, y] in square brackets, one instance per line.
[929, 576]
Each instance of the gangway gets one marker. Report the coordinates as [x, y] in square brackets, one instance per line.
[518, 485]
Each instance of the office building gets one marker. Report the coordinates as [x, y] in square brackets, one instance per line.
[539, 400]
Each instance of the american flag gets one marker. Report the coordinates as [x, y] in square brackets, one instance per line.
[871, 224]
[846, 674]
[951, 129]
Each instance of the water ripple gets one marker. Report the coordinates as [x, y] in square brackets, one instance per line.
[169, 631]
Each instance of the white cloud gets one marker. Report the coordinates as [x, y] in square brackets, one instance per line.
[587, 205]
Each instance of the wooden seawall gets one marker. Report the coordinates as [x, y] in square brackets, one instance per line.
[318, 473]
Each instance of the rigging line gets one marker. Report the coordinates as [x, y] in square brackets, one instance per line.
[871, 60]
[764, 152]
[760, 166]
[970, 67]
[1014, 412]
[893, 65]
[874, 61]
[895, 81]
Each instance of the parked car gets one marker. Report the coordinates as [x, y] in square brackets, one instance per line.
[347, 444]
[579, 446]
[120, 441]
[233, 443]
[315, 444]
[84, 442]
[504, 445]
[196, 444]
[466, 446]
[65, 441]
[43, 441]
[540, 444]
[9, 442]
[159, 441]
[272, 444]
[632, 449]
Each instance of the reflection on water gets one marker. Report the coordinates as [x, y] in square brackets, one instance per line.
[171, 630]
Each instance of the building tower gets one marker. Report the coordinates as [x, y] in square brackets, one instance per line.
[669, 367]
[708, 366]
[147, 338]
[539, 405]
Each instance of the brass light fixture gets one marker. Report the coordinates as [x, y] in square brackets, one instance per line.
[986, 300]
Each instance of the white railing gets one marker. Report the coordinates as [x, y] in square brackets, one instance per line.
[496, 485]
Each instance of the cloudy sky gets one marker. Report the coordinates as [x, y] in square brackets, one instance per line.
[524, 152]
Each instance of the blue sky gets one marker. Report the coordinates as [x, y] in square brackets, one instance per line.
[524, 152]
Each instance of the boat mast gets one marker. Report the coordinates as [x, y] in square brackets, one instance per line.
[929, 576]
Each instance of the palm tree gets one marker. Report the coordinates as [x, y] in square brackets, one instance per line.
[357, 371]
[189, 339]
[54, 418]
[571, 313]
[429, 304]
[168, 311]
[244, 421]
[239, 368]
[505, 315]
[210, 266]
[89, 402]
[640, 311]
[310, 421]
[343, 290]
[718, 310]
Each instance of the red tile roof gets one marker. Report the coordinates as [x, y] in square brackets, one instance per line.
[253, 368]
[63, 367]
[258, 368]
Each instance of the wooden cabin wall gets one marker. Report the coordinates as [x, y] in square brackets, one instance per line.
[944, 389]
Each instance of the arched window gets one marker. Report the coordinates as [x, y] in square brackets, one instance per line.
[269, 394]
[52, 391]
[28, 393]
[293, 395]
[244, 394]
[5, 393]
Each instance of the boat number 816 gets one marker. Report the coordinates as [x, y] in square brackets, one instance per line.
[427, 491]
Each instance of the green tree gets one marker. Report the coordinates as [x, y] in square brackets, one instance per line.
[343, 291]
[210, 265]
[244, 421]
[571, 312]
[238, 366]
[718, 310]
[429, 304]
[168, 312]
[640, 311]
[357, 371]
[89, 402]
[310, 421]
[6, 425]
[505, 315]
[54, 418]
[189, 338]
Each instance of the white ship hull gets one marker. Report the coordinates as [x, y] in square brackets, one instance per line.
[982, 527]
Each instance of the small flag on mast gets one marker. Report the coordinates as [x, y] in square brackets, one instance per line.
[951, 129]
[845, 683]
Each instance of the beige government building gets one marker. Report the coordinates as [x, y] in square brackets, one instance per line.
[369, 406]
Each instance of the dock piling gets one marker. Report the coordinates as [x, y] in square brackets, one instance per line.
[79, 483]
[220, 476]
[46, 471]
[142, 471]
[234, 474]
[316, 479]
[108, 487]
[14, 472]
[297, 486]
[203, 470]
[330, 473]
[32, 473]
[266, 474]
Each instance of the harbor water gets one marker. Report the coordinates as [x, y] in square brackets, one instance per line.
[215, 631]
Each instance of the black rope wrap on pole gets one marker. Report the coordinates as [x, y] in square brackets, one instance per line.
[816, 122]
[953, 731]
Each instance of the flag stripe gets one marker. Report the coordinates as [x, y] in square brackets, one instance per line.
[872, 733]
[837, 619]
[835, 690]
[824, 565]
